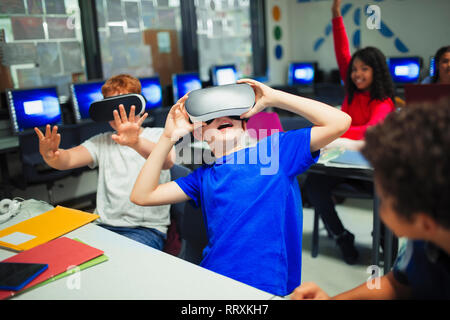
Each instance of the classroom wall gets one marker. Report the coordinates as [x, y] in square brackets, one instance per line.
[408, 27]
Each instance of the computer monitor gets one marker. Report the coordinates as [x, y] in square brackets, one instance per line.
[83, 94]
[151, 90]
[33, 107]
[432, 69]
[182, 83]
[404, 69]
[224, 74]
[301, 73]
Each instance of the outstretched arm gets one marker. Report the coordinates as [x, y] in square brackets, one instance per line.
[57, 158]
[329, 122]
[389, 289]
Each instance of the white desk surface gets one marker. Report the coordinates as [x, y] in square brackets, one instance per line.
[135, 271]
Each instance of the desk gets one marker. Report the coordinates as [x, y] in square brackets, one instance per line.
[366, 174]
[136, 271]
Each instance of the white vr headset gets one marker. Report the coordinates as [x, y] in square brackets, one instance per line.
[221, 101]
[102, 110]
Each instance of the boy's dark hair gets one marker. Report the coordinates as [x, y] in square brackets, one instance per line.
[410, 153]
[121, 82]
[382, 86]
[437, 59]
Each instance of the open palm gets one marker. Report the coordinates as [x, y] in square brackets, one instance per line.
[128, 129]
[49, 143]
[177, 122]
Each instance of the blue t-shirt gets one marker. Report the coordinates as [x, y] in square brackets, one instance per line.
[252, 208]
[425, 268]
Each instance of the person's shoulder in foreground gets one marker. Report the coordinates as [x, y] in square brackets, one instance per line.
[409, 152]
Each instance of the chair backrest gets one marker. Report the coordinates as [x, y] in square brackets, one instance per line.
[263, 124]
[190, 224]
[33, 166]
[89, 129]
[294, 123]
[177, 209]
[159, 116]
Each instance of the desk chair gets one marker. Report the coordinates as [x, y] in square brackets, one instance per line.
[294, 123]
[159, 116]
[263, 124]
[340, 193]
[188, 223]
[34, 169]
[89, 129]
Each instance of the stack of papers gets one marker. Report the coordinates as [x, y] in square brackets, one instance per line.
[43, 228]
[39, 241]
[341, 158]
[63, 255]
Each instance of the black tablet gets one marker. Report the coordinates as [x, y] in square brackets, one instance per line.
[14, 276]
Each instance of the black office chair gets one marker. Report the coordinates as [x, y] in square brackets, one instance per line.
[34, 169]
[159, 116]
[189, 222]
[341, 192]
[88, 129]
[294, 122]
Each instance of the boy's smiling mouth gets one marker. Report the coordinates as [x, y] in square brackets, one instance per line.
[224, 125]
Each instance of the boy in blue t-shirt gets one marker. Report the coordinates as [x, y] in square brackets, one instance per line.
[249, 197]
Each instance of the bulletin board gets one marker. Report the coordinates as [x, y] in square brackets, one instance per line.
[165, 53]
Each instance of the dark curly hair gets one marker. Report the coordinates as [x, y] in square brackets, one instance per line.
[382, 86]
[410, 153]
[437, 59]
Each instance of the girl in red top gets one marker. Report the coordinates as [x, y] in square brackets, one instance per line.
[369, 98]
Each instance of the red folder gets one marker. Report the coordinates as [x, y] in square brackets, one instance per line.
[60, 254]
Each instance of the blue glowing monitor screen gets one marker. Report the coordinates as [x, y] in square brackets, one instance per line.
[151, 90]
[222, 75]
[184, 83]
[432, 67]
[404, 70]
[33, 108]
[83, 94]
[301, 74]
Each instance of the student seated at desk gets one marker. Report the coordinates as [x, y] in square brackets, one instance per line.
[369, 94]
[119, 156]
[410, 156]
[441, 67]
[252, 209]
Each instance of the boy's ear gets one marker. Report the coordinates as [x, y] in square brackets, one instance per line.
[198, 133]
[426, 223]
[244, 125]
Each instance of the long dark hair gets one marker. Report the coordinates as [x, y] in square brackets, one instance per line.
[382, 86]
[437, 59]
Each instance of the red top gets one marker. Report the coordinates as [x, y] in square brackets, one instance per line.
[362, 110]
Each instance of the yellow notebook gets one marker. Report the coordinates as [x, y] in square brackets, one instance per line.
[43, 228]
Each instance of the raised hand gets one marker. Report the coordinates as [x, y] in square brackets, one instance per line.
[336, 8]
[49, 143]
[128, 129]
[263, 96]
[177, 122]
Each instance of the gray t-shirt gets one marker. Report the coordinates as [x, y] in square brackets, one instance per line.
[118, 169]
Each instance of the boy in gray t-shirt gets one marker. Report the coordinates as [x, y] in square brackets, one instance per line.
[119, 157]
